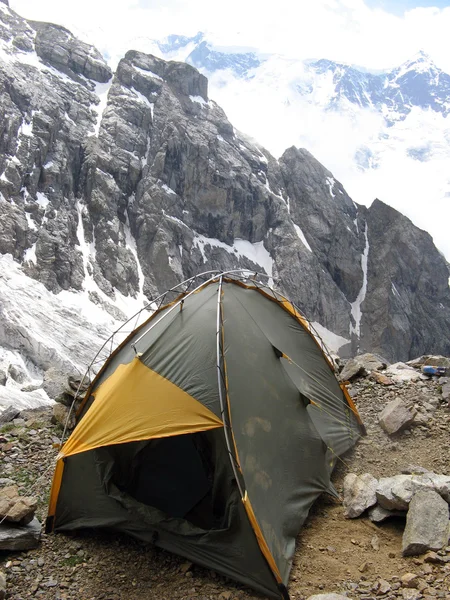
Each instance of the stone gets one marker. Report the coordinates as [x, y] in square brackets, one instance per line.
[362, 364]
[351, 370]
[330, 596]
[410, 594]
[409, 580]
[3, 377]
[8, 414]
[13, 537]
[446, 392]
[383, 586]
[378, 514]
[2, 585]
[375, 543]
[396, 415]
[61, 416]
[427, 523]
[438, 361]
[15, 508]
[17, 372]
[359, 494]
[395, 493]
[401, 372]
[55, 382]
[381, 378]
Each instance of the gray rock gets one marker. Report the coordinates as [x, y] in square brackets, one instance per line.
[427, 524]
[437, 361]
[331, 596]
[55, 382]
[351, 370]
[446, 392]
[3, 377]
[359, 494]
[2, 585]
[378, 514]
[396, 415]
[61, 416]
[20, 537]
[395, 493]
[17, 373]
[8, 414]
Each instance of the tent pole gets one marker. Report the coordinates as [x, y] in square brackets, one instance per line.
[224, 411]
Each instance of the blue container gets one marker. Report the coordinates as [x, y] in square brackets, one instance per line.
[430, 370]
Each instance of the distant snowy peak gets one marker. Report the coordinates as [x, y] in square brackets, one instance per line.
[416, 83]
[207, 57]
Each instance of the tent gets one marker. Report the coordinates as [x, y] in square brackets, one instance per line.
[209, 431]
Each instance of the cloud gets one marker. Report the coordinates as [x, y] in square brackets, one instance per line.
[346, 30]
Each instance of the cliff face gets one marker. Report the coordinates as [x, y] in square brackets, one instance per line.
[128, 183]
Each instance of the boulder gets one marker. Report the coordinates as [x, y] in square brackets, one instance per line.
[400, 372]
[395, 493]
[396, 415]
[331, 596]
[428, 359]
[427, 523]
[362, 365]
[359, 494]
[61, 415]
[446, 392]
[378, 514]
[17, 372]
[15, 508]
[8, 414]
[380, 378]
[55, 382]
[351, 370]
[13, 537]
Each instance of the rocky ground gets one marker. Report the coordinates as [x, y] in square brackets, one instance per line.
[355, 557]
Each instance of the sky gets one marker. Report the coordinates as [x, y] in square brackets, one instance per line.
[374, 34]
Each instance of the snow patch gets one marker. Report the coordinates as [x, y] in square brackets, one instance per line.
[101, 89]
[169, 190]
[30, 254]
[30, 222]
[333, 341]
[395, 291]
[42, 200]
[301, 235]
[199, 100]
[330, 182]
[255, 252]
[356, 305]
[147, 73]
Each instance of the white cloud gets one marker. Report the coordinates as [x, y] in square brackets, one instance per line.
[344, 30]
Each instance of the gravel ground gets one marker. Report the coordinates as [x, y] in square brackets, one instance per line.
[334, 554]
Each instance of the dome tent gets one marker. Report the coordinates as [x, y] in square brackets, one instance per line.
[209, 431]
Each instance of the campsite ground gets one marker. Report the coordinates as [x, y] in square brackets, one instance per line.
[334, 554]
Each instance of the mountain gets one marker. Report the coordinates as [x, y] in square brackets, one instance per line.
[385, 134]
[116, 186]
[416, 83]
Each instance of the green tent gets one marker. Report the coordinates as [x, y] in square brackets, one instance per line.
[209, 431]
